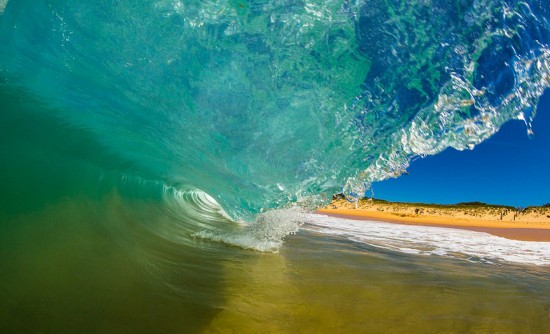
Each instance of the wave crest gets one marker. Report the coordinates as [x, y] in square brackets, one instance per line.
[265, 104]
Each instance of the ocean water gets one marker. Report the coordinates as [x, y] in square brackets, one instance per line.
[158, 160]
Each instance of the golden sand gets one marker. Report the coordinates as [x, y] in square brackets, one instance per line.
[530, 224]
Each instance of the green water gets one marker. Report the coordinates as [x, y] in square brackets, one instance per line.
[144, 144]
[262, 103]
[64, 271]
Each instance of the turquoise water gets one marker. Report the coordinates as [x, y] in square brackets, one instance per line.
[142, 145]
[280, 101]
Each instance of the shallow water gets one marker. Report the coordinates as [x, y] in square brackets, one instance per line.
[66, 270]
[142, 146]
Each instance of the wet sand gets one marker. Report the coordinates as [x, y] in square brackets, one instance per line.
[515, 230]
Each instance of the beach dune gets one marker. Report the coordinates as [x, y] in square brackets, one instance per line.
[529, 224]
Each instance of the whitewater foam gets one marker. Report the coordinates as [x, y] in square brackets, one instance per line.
[425, 240]
[265, 234]
[3, 4]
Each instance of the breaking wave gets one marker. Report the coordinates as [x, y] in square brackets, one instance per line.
[260, 104]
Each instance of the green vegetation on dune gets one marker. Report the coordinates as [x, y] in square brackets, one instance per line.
[444, 206]
[472, 205]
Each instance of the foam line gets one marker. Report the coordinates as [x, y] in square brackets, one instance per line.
[426, 240]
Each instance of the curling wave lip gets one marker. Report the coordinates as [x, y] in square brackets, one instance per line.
[261, 105]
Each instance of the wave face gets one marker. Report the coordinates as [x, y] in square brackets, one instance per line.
[143, 144]
[263, 103]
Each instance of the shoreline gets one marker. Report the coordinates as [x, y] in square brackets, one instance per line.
[446, 217]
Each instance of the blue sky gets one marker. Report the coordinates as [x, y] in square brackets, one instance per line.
[508, 168]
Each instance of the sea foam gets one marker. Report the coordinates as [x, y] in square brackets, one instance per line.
[266, 233]
[3, 4]
[426, 240]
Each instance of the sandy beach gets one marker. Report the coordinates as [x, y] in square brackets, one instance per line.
[530, 224]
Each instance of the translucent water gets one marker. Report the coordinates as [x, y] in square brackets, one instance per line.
[260, 103]
[145, 144]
